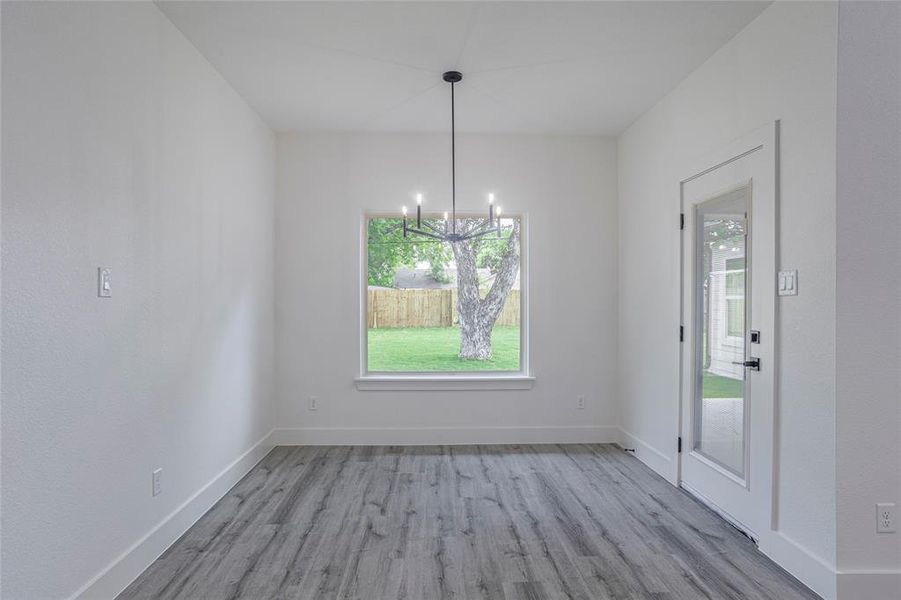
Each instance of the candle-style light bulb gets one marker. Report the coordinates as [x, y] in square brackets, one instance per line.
[403, 209]
[490, 198]
[419, 199]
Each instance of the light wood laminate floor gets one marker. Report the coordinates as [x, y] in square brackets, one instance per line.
[428, 522]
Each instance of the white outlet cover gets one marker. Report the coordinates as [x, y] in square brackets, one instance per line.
[885, 517]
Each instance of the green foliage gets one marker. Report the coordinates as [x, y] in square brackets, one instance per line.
[722, 231]
[438, 255]
[389, 250]
[424, 349]
[491, 251]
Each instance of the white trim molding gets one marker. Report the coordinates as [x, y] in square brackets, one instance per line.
[435, 436]
[868, 585]
[458, 383]
[119, 574]
[808, 568]
[653, 458]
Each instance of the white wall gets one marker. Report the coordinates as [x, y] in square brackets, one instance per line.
[868, 296]
[782, 66]
[122, 147]
[566, 185]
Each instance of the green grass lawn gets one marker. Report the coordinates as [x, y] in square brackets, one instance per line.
[716, 386]
[436, 348]
[419, 349]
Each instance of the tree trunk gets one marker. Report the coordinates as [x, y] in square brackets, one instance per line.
[472, 338]
[477, 316]
[475, 340]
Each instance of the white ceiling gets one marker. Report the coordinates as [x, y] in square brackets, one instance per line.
[551, 67]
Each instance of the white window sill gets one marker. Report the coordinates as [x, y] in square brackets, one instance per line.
[440, 383]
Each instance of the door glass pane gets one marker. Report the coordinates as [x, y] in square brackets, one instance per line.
[721, 295]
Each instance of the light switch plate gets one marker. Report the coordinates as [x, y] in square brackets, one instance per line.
[104, 282]
[787, 283]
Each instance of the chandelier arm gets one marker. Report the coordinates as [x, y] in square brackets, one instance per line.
[469, 225]
[433, 228]
[426, 234]
[395, 228]
[480, 227]
[479, 233]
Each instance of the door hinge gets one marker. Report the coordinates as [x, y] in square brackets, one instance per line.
[679, 444]
[681, 333]
[681, 221]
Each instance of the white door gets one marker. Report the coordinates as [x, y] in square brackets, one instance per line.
[728, 319]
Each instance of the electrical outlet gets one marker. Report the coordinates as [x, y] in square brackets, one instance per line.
[580, 402]
[885, 517]
[157, 482]
[314, 403]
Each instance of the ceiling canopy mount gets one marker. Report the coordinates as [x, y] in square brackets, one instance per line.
[452, 76]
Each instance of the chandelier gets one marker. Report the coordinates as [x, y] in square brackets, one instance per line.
[447, 231]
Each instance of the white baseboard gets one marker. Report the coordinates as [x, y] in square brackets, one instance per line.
[656, 460]
[868, 585]
[805, 566]
[430, 436]
[131, 563]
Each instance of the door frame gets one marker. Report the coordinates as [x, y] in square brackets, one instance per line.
[763, 139]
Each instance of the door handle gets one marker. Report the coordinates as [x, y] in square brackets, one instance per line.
[752, 363]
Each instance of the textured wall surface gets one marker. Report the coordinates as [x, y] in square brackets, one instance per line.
[566, 186]
[123, 148]
[868, 294]
[782, 66]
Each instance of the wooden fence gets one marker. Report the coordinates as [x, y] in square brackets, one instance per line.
[425, 308]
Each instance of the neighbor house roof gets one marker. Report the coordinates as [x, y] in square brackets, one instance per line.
[422, 279]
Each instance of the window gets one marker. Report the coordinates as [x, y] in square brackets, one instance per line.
[735, 297]
[735, 310]
[432, 307]
[735, 264]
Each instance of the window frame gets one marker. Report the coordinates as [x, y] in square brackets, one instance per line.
[443, 380]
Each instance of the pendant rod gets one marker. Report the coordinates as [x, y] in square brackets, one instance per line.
[453, 162]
